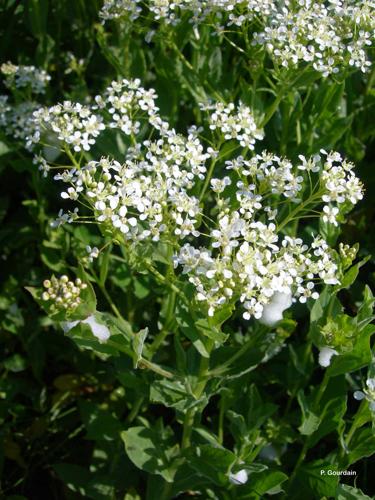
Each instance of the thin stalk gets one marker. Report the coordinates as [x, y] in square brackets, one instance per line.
[198, 391]
[220, 432]
[164, 281]
[311, 199]
[223, 368]
[107, 296]
[351, 432]
[306, 445]
[144, 363]
[207, 179]
[135, 409]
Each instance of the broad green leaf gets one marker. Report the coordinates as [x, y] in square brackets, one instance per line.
[173, 394]
[310, 421]
[151, 451]
[351, 275]
[211, 331]
[358, 358]
[187, 326]
[213, 463]
[316, 480]
[259, 484]
[362, 445]
[346, 492]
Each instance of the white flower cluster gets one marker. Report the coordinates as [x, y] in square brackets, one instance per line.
[247, 262]
[328, 35]
[25, 77]
[153, 194]
[113, 9]
[171, 12]
[234, 122]
[368, 393]
[274, 175]
[341, 185]
[74, 124]
[4, 110]
[17, 120]
[63, 294]
[124, 100]
[148, 194]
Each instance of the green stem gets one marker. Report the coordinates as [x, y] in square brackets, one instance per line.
[160, 337]
[352, 430]
[135, 409]
[311, 199]
[198, 391]
[164, 281]
[71, 157]
[220, 433]
[208, 178]
[187, 427]
[306, 445]
[142, 363]
[107, 296]
[223, 368]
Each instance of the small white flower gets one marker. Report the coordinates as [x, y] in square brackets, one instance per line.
[330, 214]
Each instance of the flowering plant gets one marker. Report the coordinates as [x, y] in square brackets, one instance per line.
[196, 211]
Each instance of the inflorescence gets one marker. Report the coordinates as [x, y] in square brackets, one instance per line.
[226, 231]
[63, 293]
[329, 35]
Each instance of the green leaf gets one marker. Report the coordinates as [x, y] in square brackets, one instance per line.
[211, 462]
[260, 484]
[82, 481]
[4, 149]
[346, 492]
[100, 424]
[315, 480]
[310, 421]
[331, 418]
[187, 326]
[104, 265]
[356, 359]
[259, 411]
[138, 343]
[152, 451]
[366, 309]
[211, 331]
[15, 363]
[172, 393]
[361, 445]
[238, 425]
[351, 275]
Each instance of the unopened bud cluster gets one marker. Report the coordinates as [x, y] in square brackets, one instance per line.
[63, 293]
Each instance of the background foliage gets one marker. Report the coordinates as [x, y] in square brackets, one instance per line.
[84, 423]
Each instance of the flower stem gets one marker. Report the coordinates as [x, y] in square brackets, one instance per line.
[198, 391]
[306, 444]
